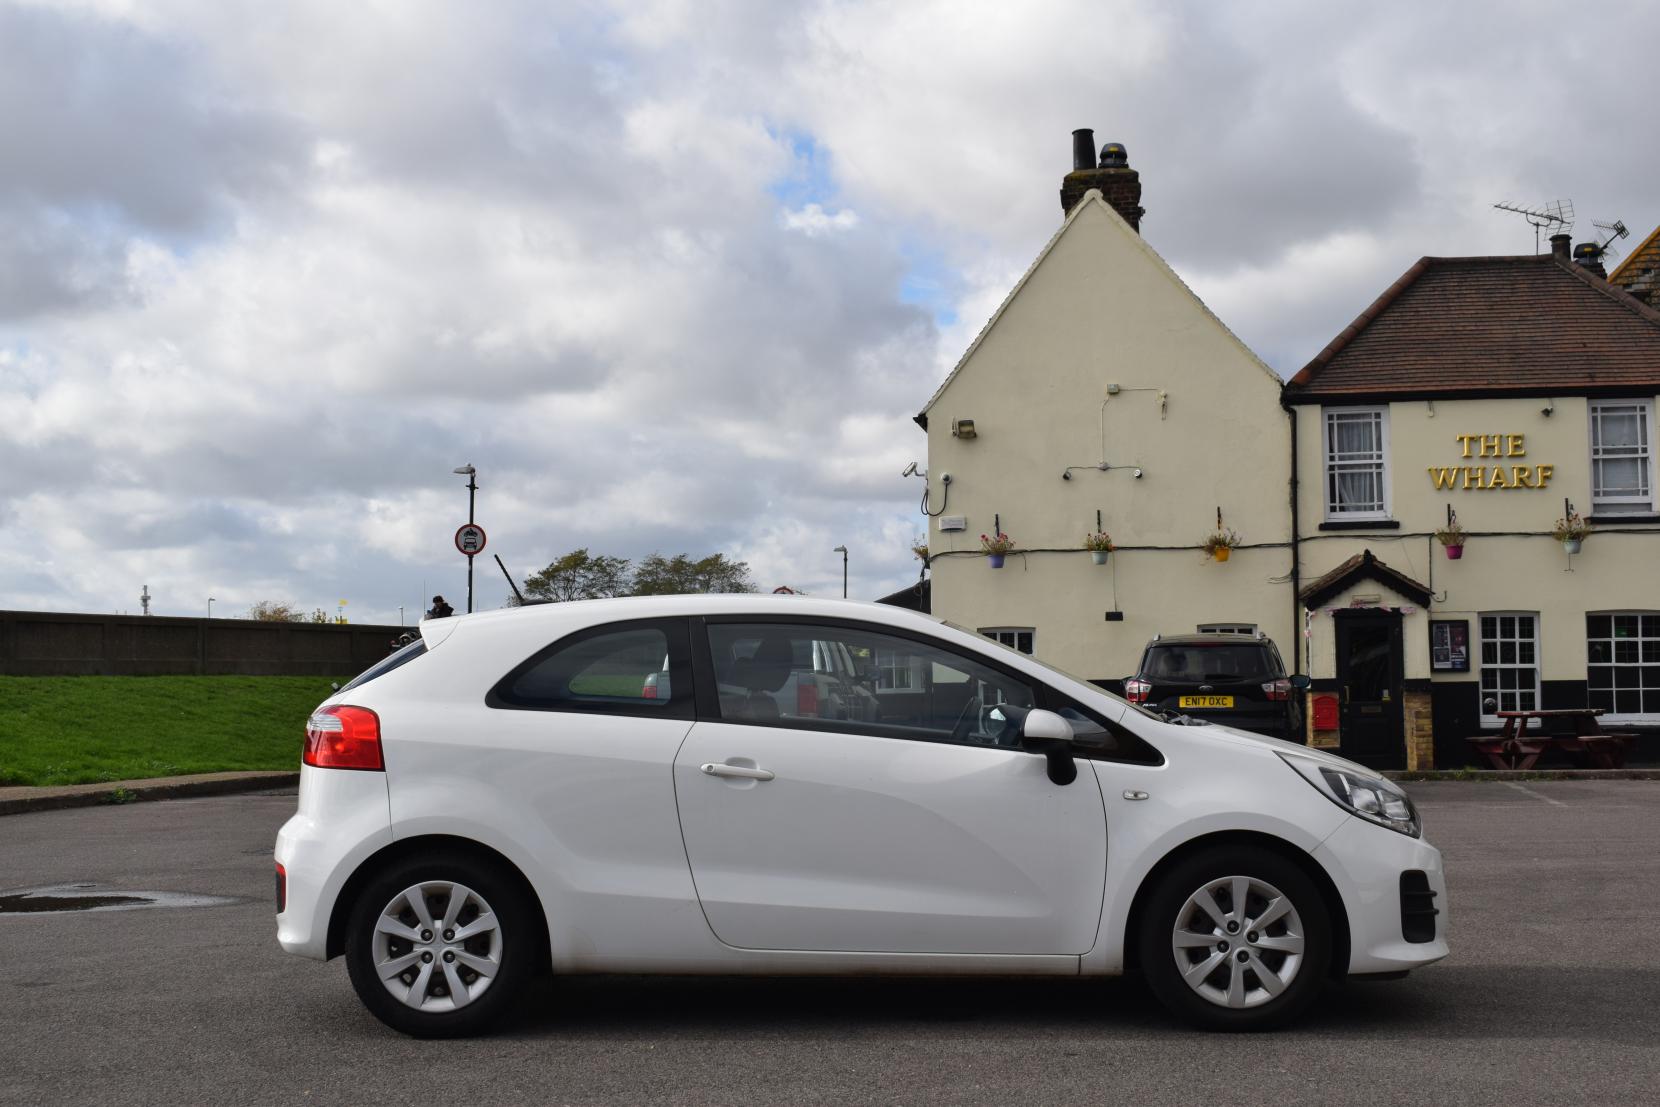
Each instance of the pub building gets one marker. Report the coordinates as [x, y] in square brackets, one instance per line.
[1493, 400]
[1104, 398]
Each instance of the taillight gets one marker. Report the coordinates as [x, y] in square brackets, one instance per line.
[282, 888]
[649, 690]
[343, 737]
[1278, 689]
[1136, 690]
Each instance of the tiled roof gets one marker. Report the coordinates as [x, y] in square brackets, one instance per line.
[1490, 325]
[1639, 273]
[1362, 566]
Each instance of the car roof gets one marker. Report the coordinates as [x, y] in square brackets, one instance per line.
[719, 603]
[1209, 640]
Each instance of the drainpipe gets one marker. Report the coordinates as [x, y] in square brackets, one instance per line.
[1296, 561]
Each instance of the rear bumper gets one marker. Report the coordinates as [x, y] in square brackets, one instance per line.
[344, 818]
[1366, 862]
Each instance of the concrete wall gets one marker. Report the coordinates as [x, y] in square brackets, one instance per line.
[1102, 308]
[34, 643]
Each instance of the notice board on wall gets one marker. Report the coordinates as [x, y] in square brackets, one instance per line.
[1449, 645]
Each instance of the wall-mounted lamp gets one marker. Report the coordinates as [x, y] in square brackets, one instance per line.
[1549, 409]
[963, 428]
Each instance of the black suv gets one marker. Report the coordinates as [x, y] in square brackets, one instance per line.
[1221, 678]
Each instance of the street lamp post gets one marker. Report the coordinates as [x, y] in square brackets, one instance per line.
[210, 607]
[472, 494]
[843, 551]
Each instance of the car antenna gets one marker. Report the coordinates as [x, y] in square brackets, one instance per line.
[509, 576]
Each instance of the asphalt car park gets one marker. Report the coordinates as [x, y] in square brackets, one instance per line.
[1551, 994]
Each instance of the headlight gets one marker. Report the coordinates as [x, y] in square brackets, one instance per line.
[1372, 798]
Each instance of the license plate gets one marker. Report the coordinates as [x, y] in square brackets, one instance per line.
[1207, 701]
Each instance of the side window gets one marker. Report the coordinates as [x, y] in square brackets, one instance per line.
[943, 696]
[622, 668]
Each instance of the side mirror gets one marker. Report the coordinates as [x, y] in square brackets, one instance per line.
[1301, 682]
[1042, 732]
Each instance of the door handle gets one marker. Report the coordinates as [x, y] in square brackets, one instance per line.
[743, 772]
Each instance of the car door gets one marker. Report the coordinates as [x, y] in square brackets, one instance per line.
[935, 835]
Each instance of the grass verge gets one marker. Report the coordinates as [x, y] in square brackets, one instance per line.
[88, 729]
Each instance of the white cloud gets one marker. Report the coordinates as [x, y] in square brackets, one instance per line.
[268, 273]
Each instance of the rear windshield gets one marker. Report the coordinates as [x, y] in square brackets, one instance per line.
[1210, 663]
[402, 656]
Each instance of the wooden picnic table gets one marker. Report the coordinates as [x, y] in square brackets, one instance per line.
[1575, 732]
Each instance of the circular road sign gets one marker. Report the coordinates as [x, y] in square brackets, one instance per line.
[470, 539]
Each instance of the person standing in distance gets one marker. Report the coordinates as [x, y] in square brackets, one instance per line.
[440, 609]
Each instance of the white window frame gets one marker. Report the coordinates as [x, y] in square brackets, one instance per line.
[1483, 665]
[1613, 715]
[896, 675]
[1010, 637]
[1381, 412]
[1244, 630]
[1623, 505]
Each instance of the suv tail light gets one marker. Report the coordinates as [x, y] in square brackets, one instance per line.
[1278, 689]
[343, 737]
[648, 691]
[1136, 690]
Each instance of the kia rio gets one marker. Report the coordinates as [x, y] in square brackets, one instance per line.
[538, 790]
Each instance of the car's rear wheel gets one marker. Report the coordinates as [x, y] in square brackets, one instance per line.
[1236, 939]
[440, 947]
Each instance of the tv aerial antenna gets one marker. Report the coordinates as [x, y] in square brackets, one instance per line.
[1558, 215]
[1605, 245]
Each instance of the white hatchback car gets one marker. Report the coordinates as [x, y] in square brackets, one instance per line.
[502, 798]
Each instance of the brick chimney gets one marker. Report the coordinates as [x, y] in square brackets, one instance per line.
[1560, 245]
[1588, 256]
[1112, 176]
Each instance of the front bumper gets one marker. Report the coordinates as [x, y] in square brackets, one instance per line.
[344, 818]
[1366, 861]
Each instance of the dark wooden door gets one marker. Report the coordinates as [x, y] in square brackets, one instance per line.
[1369, 671]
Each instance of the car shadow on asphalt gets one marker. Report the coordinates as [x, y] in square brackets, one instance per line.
[1492, 1001]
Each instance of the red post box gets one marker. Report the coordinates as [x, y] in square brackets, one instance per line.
[1325, 712]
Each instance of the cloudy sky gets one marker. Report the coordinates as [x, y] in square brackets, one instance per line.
[674, 275]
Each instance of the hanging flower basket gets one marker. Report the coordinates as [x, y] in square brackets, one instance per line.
[996, 547]
[1571, 530]
[1099, 545]
[1452, 536]
[1219, 546]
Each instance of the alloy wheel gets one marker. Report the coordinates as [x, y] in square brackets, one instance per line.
[437, 946]
[1238, 942]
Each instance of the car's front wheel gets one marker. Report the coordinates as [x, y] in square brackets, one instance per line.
[1236, 938]
[440, 947]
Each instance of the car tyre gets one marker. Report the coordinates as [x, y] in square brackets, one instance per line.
[1235, 938]
[441, 946]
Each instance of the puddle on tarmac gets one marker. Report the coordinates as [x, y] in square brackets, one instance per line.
[90, 897]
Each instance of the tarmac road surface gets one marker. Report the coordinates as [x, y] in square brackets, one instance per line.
[1551, 995]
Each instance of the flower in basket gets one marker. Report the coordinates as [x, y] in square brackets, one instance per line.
[1098, 542]
[1573, 528]
[920, 548]
[998, 543]
[1452, 534]
[1223, 539]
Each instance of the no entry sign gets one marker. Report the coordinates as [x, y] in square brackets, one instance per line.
[470, 539]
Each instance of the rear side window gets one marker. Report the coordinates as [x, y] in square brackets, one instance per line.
[1211, 663]
[641, 668]
[401, 656]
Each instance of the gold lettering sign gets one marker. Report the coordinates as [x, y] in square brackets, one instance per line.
[1487, 476]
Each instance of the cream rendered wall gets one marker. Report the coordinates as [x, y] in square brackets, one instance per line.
[1101, 307]
[1497, 573]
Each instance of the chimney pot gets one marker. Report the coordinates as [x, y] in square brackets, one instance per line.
[1588, 256]
[1118, 184]
[1083, 148]
[1559, 245]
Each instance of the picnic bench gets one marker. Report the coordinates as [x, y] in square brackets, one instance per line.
[1572, 730]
